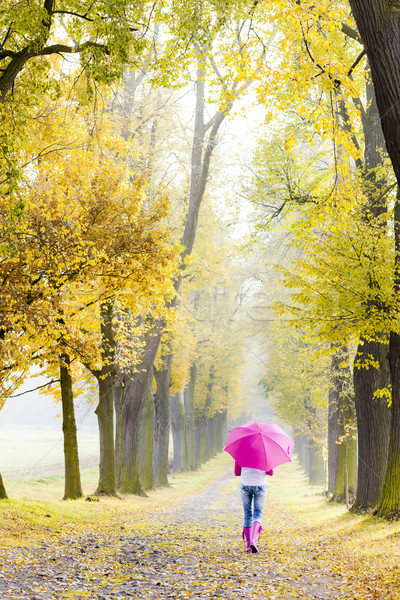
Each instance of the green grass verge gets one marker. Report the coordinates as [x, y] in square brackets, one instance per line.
[363, 536]
[35, 510]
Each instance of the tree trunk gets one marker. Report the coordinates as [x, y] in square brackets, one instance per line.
[146, 439]
[178, 430]
[3, 493]
[341, 429]
[316, 464]
[162, 421]
[73, 487]
[390, 502]
[221, 430]
[333, 436]
[119, 391]
[130, 398]
[211, 437]
[14, 67]
[344, 485]
[208, 432]
[105, 417]
[189, 462]
[300, 449]
[373, 423]
[128, 438]
[198, 435]
[105, 409]
[216, 434]
[373, 414]
[202, 451]
[307, 458]
[379, 27]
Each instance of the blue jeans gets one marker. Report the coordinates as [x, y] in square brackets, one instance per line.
[250, 494]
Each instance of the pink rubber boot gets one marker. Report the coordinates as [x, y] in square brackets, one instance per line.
[246, 537]
[255, 531]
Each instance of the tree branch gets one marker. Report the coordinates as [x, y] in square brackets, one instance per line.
[347, 127]
[61, 48]
[33, 389]
[7, 54]
[355, 63]
[79, 16]
[9, 32]
[73, 14]
[210, 123]
[217, 72]
[44, 152]
[360, 107]
[351, 33]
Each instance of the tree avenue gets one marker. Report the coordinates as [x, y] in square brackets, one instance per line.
[119, 278]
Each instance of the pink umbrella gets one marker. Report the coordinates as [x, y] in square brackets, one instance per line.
[259, 445]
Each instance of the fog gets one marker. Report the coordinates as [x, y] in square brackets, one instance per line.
[31, 437]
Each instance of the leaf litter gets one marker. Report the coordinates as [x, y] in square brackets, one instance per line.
[192, 548]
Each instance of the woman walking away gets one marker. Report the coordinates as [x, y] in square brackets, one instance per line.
[257, 448]
[253, 490]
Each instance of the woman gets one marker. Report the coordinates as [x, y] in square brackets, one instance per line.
[253, 490]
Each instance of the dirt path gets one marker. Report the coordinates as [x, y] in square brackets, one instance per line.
[192, 550]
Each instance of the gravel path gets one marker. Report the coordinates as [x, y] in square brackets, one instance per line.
[191, 550]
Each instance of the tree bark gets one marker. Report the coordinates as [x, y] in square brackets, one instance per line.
[379, 28]
[373, 414]
[389, 506]
[333, 436]
[343, 473]
[373, 423]
[105, 409]
[107, 484]
[33, 48]
[216, 433]
[300, 447]
[73, 488]
[307, 457]
[221, 430]
[178, 429]
[162, 421]
[130, 398]
[201, 442]
[316, 475]
[209, 422]
[189, 462]
[146, 438]
[211, 437]
[346, 471]
[3, 493]
[13, 69]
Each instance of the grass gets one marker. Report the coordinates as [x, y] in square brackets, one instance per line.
[25, 448]
[191, 481]
[35, 510]
[48, 487]
[51, 487]
[367, 539]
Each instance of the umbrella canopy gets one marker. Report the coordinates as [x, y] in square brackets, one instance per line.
[259, 445]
